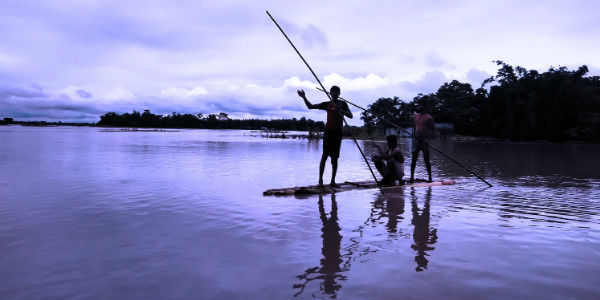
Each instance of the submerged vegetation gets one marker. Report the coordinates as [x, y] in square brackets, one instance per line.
[558, 104]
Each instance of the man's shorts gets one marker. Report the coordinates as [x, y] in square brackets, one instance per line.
[419, 143]
[332, 139]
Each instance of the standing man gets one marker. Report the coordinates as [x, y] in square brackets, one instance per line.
[332, 138]
[424, 129]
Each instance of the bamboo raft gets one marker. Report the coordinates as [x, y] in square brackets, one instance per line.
[347, 186]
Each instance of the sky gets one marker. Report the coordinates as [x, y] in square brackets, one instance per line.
[73, 61]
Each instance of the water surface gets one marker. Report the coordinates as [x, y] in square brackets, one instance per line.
[86, 213]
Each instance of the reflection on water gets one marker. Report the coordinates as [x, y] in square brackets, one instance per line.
[364, 244]
[389, 207]
[424, 236]
[328, 273]
[392, 206]
[87, 214]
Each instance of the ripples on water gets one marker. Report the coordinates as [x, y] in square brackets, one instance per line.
[88, 214]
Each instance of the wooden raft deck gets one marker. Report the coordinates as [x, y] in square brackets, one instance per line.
[347, 186]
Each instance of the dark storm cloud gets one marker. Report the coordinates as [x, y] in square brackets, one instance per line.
[19, 92]
[32, 103]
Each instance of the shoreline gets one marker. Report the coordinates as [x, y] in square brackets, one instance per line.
[448, 137]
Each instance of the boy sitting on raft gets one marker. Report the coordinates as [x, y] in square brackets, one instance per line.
[389, 163]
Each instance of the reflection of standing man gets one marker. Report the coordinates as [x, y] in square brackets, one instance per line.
[423, 234]
[329, 270]
[330, 263]
[424, 129]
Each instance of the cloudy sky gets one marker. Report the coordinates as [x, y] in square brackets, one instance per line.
[76, 60]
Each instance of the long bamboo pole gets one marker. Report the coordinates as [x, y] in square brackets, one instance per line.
[328, 96]
[412, 135]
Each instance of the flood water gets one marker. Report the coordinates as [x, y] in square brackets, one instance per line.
[88, 213]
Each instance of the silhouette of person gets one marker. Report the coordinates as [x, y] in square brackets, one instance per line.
[330, 263]
[390, 206]
[390, 162]
[395, 209]
[424, 128]
[329, 269]
[423, 235]
[332, 137]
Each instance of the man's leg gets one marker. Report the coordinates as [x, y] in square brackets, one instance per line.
[322, 168]
[427, 163]
[383, 169]
[334, 165]
[336, 143]
[379, 165]
[413, 164]
[391, 173]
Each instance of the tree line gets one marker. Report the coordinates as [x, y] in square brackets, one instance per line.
[210, 121]
[559, 104]
[522, 104]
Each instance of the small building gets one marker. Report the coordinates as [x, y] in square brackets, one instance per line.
[445, 128]
[397, 131]
[442, 128]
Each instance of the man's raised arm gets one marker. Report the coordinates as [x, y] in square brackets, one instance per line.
[308, 104]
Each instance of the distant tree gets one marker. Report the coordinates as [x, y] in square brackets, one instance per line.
[198, 120]
[109, 118]
[148, 119]
[555, 105]
[431, 104]
[390, 109]
[223, 117]
[521, 104]
[458, 104]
